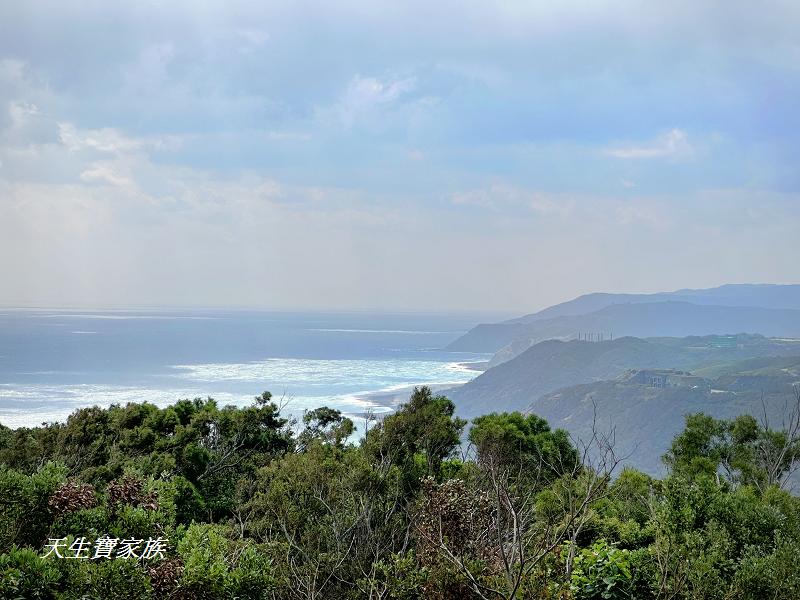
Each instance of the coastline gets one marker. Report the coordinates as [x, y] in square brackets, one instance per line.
[475, 365]
[392, 398]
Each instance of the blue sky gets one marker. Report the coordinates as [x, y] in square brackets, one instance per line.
[412, 156]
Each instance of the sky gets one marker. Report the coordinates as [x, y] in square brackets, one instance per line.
[448, 156]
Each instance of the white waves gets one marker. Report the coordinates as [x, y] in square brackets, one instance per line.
[304, 372]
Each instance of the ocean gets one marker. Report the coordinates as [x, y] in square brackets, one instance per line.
[55, 361]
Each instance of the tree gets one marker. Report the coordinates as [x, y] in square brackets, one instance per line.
[424, 426]
[325, 425]
[743, 450]
[525, 519]
[523, 441]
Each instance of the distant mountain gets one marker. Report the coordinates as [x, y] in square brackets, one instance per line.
[741, 294]
[647, 319]
[552, 364]
[601, 312]
[647, 415]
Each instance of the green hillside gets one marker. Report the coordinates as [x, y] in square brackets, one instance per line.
[646, 417]
[550, 365]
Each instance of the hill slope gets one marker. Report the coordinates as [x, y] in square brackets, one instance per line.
[552, 364]
[646, 418]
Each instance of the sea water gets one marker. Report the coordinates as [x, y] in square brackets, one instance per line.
[55, 361]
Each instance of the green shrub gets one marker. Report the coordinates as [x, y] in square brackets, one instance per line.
[772, 575]
[25, 516]
[203, 550]
[602, 572]
[398, 578]
[252, 576]
[26, 576]
[101, 579]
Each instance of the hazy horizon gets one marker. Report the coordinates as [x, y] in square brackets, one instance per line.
[371, 157]
[496, 314]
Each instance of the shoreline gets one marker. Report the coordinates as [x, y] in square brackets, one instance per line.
[392, 399]
[479, 366]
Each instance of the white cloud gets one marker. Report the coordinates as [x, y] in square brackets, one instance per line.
[102, 140]
[302, 182]
[501, 197]
[105, 173]
[671, 144]
[368, 91]
[640, 212]
[20, 111]
[109, 140]
[11, 69]
[366, 95]
[604, 212]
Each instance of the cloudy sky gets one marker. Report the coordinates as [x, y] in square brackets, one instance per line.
[405, 155]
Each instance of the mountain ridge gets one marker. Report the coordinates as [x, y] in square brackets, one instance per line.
[739, 311]
[723, 295]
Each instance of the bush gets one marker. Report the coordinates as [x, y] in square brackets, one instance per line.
[203, 550]
[26, 576]
[602, 572]
[115, 578]
[25, 516]
[398, 578]
[252, 577]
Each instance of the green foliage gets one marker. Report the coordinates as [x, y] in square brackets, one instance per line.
[425, 425]
[526, 441]
[326, 426]
[252, 576]
[602, 572]
[743, 450]
[215, 566]
[252, 511]
[26, 576]
[769, 575]
[397, 577]
[189, 505]
[89, 522]
[204, 550]
[25, 514]
[116, 578]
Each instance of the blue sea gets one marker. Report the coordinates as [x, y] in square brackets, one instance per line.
[55, 361]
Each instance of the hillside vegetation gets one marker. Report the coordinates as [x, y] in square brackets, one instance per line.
[646, 418]
[553, 364]
[249, 505]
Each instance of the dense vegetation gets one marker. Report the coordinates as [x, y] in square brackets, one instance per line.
[255, 506]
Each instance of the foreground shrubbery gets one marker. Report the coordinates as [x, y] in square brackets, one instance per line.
[253, 509]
